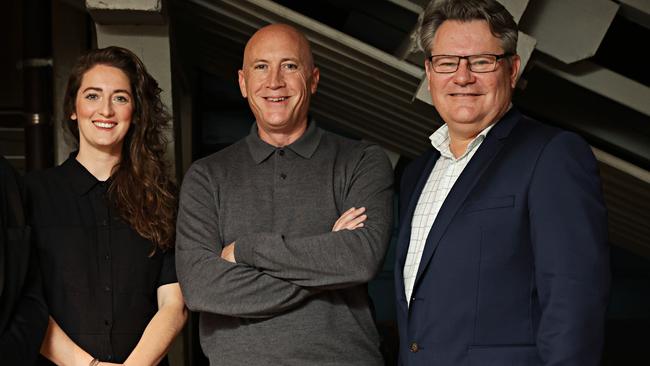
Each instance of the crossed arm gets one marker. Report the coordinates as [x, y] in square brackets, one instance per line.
[152, 347]
[299, 267]
[337, 259]
[351, 219]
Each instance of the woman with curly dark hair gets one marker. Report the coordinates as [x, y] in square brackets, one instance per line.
[104, 221]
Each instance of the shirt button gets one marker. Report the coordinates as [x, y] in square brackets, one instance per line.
[414, 347]
[107, 322]
[283, 176]
[104, 223]
[109, 357]
[107, 257]
[107, 288]
[281, 152]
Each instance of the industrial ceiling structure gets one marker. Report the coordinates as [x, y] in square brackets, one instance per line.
[577, 76]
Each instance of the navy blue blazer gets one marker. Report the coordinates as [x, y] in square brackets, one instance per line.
[515, 270]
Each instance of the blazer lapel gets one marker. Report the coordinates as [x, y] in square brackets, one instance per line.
[404, 234]
[464, 185]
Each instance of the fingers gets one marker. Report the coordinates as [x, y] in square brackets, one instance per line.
[228, 253]
[345, 221]
[355, 218]
[351, 219]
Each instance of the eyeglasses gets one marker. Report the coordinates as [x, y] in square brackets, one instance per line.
[447, 64]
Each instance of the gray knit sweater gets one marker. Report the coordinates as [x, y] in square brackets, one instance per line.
[297, 295]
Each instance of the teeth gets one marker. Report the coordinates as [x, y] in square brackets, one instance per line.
[104, 124]
[277, 99]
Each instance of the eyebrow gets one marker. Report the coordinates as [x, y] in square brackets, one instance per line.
[100, 90]
[294, 59]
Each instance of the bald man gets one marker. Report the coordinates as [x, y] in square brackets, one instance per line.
[279, 233]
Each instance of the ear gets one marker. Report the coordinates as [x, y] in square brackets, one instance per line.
[315, 77]
[515, 65]
[73, 116]
[242, 83]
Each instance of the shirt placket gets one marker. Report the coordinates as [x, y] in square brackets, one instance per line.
[282, 176]
[285, 190]
[105, 278]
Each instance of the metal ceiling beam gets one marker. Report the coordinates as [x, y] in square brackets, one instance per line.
[602, 81]
[637, 11]
[569, 30]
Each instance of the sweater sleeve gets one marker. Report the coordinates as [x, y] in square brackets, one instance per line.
[333, 259]
[210, 283]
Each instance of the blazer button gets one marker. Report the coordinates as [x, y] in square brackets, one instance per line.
[414, 347]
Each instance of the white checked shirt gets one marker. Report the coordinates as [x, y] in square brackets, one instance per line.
[442, 178]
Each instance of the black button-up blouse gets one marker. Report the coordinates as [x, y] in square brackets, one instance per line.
[99, 278]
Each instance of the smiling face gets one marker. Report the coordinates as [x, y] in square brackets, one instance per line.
[103, 109]
[469, 102]
[278, 79]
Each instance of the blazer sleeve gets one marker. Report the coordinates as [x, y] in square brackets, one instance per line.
[20, 342]
[569, 236]
[210, 283]
[23, 313]
[333, 259]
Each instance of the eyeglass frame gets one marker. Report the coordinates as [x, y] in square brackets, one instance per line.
[469, 64]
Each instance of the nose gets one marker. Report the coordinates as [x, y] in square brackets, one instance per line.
[107, 107]
[464, 75]
[276, 78]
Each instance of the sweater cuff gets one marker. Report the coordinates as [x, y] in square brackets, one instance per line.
[245, 249]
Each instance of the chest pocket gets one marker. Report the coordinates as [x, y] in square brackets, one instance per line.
[489, 203]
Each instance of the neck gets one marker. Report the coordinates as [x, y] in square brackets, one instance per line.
[460, 137]
[458, 144]
[281, 138]
[99, 163]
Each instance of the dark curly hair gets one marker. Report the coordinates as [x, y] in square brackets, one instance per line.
[141, 188]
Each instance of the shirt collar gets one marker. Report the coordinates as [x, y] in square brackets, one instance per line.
[440, 141]
[81, 180]
[305, 146]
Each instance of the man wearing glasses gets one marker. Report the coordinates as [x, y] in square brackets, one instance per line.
[502, 254]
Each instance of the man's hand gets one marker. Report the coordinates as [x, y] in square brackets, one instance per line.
[350, 219]
[228, 252]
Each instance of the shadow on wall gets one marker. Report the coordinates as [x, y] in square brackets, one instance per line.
[628, 318]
